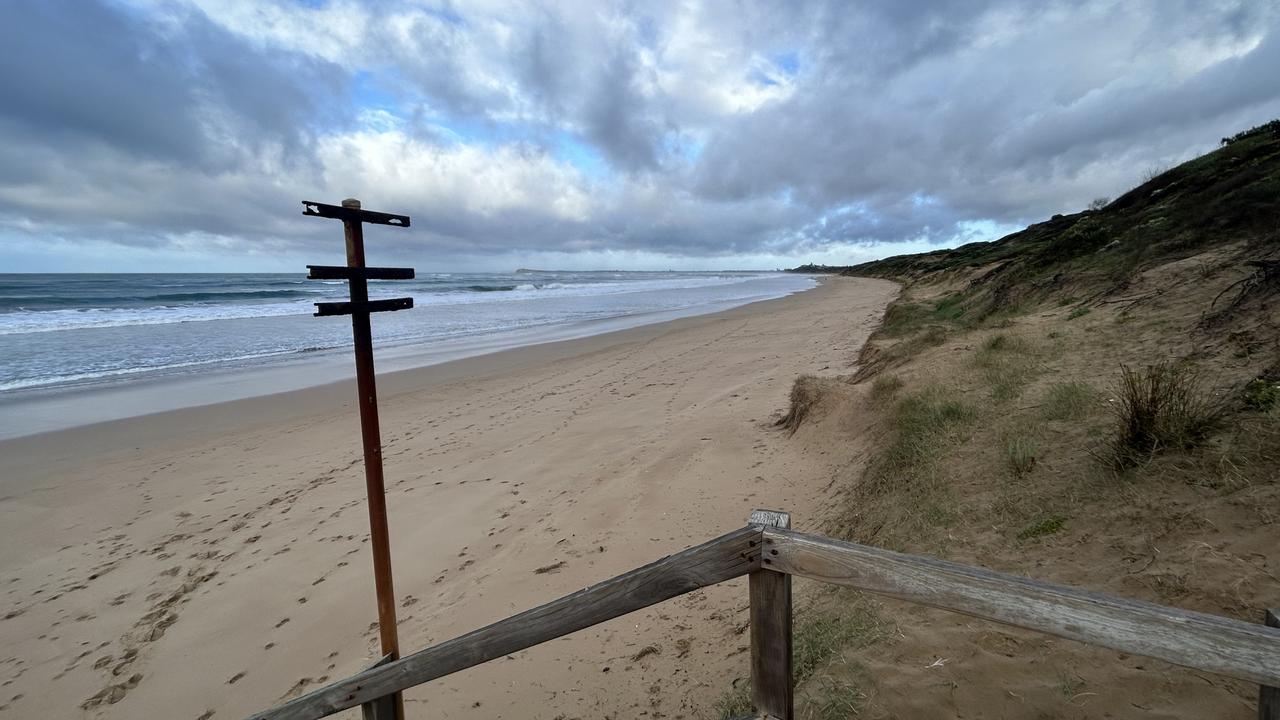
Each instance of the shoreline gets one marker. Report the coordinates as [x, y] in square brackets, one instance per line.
[43, 409]
[231, 537]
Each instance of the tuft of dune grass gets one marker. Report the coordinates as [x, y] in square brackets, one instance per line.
[1159, 408]
[1007, 363]
[806, 392]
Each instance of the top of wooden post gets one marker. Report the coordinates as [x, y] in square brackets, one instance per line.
[770, 518]
[352, 203]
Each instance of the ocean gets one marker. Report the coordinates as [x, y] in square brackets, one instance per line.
[67, 332]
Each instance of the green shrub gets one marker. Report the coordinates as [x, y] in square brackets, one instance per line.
[1262, 394]
[950, 308]
[903, 317]
[1078, 313]
[1047, 525]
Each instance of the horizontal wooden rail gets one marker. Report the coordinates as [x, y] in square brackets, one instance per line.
[326, 309]
[1216, 644]
[724, 558]
[346, 272]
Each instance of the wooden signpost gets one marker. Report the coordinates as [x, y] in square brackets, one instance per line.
[358, 276]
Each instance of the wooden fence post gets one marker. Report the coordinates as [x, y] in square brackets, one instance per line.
[1268, 696]
[771, 690]
[385, 707]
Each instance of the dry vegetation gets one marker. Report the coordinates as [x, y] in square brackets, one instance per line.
[806, 392]
[1095, 401]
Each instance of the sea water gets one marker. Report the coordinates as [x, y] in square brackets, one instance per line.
[66, 333]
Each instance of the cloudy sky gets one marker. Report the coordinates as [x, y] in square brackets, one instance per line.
[180, 135]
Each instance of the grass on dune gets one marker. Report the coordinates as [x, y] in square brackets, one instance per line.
[841, 620]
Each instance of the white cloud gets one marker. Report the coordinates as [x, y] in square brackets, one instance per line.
[398, 169]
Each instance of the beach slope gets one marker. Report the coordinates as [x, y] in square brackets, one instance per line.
[214, 561]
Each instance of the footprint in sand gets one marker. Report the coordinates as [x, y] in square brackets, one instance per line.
[112, 694]
[298, 687]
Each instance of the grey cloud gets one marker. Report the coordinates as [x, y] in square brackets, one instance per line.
[998, 135]
[903, 120]
[85, 71]
[134, 127]
[88, 72]
[1122, 113]
[616, 117]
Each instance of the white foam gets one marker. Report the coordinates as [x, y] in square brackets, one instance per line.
[34, 321]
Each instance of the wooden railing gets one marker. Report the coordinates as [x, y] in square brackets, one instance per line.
[770, 553]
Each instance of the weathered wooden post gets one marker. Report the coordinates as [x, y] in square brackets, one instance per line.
[358, 276]
[1268, 695]
[771, 690]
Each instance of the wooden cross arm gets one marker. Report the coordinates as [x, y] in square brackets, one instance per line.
[344, 213]
[346, 272]
[372, 306]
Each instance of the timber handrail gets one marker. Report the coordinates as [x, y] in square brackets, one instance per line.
[724, 558]
[1242, 650]
[771, 553]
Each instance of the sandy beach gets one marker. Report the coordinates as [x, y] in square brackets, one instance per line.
[213, 561]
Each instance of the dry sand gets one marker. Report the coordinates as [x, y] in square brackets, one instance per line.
[213, 561]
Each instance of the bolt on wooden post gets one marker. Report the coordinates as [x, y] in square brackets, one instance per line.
[359, 308]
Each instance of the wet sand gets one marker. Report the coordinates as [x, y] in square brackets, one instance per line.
[212, 561]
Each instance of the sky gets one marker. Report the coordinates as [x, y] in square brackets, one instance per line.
[182, 135]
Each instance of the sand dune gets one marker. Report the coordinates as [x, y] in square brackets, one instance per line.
[213, 561]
